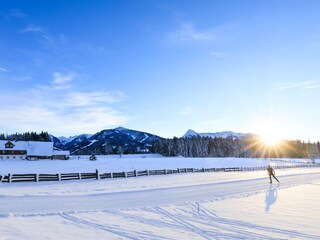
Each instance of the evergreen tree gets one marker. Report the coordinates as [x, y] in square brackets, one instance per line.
[313, 151]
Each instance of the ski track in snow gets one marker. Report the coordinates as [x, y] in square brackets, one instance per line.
[169, 213]
[191, 218]
[152, 197]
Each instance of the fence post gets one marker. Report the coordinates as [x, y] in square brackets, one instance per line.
[59, 176]
[9, 178]
[147, 172]
[165, 171]
[135, 173]
[202, 169]
[192, 169]
[36, 177]
[79, 176]
[125, 174]
[179, 170]
[97, 174]
[111, 175]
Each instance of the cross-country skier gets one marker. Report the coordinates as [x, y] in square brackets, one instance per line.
[271, 173]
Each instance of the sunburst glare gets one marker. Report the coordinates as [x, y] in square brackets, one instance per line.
[271, 133]
[270, 139]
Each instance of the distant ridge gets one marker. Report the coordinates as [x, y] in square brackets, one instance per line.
[225, 134]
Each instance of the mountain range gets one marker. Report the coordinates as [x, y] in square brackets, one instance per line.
[121, 140]
[225, 134]
[108, 141]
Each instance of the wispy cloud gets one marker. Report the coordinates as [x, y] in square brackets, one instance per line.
[2, 69]
[59, 44]
[79, 99]
[187, 32]
[22, 78]
[33, 29]
[304, 85]
[60, 111]
[13, 14]
[16, 13]
[43, 110]
[45, 36]
[219, 54]
[187, 111]
[61, 81]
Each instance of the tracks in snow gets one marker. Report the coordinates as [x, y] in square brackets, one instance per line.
[143, 198]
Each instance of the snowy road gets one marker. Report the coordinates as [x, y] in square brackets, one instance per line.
[147, 198]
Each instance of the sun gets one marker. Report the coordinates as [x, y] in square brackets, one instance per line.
[270, 133]
[270, 139]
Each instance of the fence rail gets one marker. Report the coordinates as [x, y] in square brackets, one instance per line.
[96, 175]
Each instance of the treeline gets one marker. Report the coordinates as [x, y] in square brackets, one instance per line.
[27, 136]
[247, 147]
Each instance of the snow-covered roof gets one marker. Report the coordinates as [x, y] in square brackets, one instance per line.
[40, 148]
[17, 145]
[33, 148]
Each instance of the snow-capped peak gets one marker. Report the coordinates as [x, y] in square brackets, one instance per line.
[225, 134]
[65, 140]
[190, 133]
[121, 129]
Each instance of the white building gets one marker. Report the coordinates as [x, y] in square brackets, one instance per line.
[30, 150]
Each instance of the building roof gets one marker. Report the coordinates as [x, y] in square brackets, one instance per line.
[40, 148]
[17, 145]
[33, 148]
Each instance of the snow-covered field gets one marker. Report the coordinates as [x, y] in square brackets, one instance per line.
[113, 163]
[235, 205]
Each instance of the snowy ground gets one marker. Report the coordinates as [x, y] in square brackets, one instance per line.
[114, 163]
[240, 205]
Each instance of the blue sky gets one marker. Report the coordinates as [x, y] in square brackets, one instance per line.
[71, 67]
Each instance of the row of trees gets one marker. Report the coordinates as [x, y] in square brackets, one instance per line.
[27, 136]
[249, 147]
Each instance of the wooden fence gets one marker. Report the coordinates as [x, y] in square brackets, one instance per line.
[96, 175]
